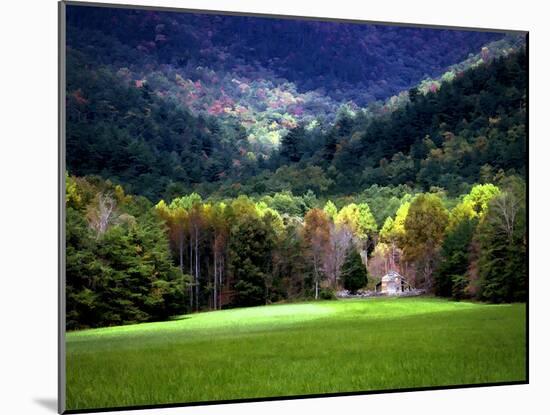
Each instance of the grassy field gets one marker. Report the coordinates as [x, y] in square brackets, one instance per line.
[296, 349]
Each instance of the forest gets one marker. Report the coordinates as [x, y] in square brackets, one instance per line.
[181, 199]
[130, 261]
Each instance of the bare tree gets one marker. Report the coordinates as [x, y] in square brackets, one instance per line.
[507, 205]
[219, 248]
[339, 242]
[101, 213]
[318, 250]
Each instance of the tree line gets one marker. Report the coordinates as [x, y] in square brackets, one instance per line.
[130, 261]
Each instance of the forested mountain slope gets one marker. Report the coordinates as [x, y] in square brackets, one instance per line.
[467, 131]
[378, 61]
[162, 124]
[260, 74]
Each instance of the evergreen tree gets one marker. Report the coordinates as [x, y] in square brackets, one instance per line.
[454, 260]
[330, 145]
[354, 272]
[250, 250]
[119, 267]
[291, 144]
[503, 247]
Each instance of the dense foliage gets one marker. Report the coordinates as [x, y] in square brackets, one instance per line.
[185, 59]
[451, 276]
[129, 261]
[471, 129]
[204, 172]
[157, 148]
[503, 246]
[375, 61]
[129, 134]
[354, 272]
[119, 266]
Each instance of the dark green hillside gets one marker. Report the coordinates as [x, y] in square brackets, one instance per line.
[127, 133]
[467, 131]
[470, 130]
[379, 61]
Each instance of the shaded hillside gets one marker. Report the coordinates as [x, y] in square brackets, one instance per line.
[379, 60]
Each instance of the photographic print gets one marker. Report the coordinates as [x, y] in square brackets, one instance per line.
[269, 207]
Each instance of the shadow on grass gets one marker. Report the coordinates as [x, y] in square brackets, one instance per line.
[180, 318]
[48, 403]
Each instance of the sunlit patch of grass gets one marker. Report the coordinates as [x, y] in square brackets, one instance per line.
[296, 349]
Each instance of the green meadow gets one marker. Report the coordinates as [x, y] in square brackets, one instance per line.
[297, 349]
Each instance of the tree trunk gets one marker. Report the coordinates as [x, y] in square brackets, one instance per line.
[335, 274]
[197, 268]
[181, 262]
[364, 256]
[191, 271]
[316, 277]
[181, 251]
[222, 266]
[215, 278]
[393, 255]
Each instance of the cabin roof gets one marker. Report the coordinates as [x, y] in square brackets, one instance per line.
[391, 276]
